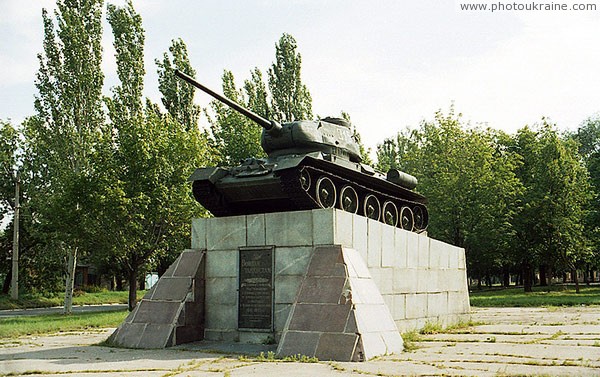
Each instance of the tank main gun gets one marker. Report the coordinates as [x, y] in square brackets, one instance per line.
[271, 126]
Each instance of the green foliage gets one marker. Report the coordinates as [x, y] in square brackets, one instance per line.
[147, 204]
[236, 137]
[291, 99]
[62, 139]
[549, 224]
[8, 156]
[468, 177]
[588, 137]
[178, 96]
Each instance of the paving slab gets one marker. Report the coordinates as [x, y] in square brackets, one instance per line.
[504, 341]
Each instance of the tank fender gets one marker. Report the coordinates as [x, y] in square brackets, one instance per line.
[367, 169]
[210, 174]
[291, 161]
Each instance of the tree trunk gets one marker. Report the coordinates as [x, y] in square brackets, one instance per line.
[527, 277]
[70, 281]
[576, 280]
[119, 283]
[7, 278]
[588, 275]
[543, 276]
[505, 276]
[142, 282]
[132, 289]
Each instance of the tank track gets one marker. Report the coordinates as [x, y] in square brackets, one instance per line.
[305, 199]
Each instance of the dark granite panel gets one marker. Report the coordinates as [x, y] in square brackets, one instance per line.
[359, 352]
[321, 289]
[186, 334]
[188, 263]
[194, 313]
[327, 261]
[128, 335]
[172, 288]
[339, 347]
[156, 336]
[351, 327]
[156, 312]
[299, 343]
[320, 317]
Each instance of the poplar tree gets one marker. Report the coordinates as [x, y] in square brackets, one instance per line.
[148, 201]
[177, 95]
[64, 134]
[290, 99]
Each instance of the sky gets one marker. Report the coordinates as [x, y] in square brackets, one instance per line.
[390, 64]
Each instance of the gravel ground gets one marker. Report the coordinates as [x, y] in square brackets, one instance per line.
[504, 342]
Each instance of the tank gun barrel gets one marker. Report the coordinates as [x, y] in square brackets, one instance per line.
[270, 126]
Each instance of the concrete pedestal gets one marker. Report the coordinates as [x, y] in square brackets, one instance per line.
[419, 279]
[324, 283]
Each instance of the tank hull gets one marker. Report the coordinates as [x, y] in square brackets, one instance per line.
[294, 183]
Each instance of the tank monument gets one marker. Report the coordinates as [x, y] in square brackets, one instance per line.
[309, 249]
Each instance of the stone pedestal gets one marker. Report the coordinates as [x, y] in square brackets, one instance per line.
[410, 277]
[324, 283]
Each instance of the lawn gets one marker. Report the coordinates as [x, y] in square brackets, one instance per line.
[41, 324]
[80, 298]
[557, 295]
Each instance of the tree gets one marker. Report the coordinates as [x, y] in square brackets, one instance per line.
[588, 137]
[235, 137]
[148, 206]
[549, 223]
[469, 181]
[8, 151]
[290, 99]
[256, 91]
[64, 134]
[178, 96]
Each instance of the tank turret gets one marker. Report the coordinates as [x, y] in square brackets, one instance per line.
[309, 164]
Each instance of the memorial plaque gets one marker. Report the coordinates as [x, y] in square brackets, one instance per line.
[255, 304]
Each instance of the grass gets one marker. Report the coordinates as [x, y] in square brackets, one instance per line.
[558, 295]
[11, 327]
[103, 296]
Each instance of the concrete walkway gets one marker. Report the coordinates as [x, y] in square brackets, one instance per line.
[503, 342]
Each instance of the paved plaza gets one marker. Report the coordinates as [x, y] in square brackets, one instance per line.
[501, 342]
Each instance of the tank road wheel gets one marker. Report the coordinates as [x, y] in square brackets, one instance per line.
[419, 218]
[372, 208]
[407, 219]
[305, 180]
[349, 199]
[326, 192]
[390, 213]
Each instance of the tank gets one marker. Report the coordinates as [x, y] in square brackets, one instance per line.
[309, 165]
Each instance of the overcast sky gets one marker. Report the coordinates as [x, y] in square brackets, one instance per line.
[389, 64]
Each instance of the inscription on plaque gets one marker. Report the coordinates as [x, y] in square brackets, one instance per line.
[255, 310]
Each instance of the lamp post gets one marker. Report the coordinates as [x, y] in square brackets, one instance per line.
[14, 287]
